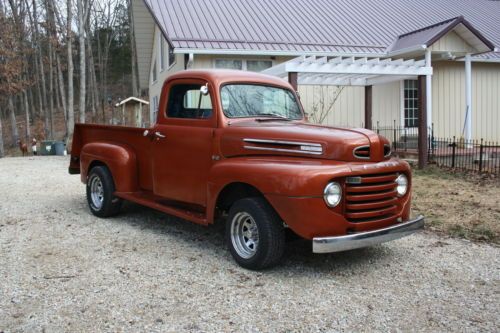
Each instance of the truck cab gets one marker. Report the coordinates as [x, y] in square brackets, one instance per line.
[236, 146]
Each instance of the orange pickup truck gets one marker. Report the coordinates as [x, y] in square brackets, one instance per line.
[236, 147]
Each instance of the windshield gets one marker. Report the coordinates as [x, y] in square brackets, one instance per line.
[248, 100]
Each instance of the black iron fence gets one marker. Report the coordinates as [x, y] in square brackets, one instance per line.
[469, 155]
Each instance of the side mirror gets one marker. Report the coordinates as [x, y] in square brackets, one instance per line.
[204, 90]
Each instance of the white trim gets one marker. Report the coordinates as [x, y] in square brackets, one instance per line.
[411, 49]
[468, 97]
[161, 52]
[428, 88]
[402, 103]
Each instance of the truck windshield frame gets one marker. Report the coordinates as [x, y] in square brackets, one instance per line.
[250, 100]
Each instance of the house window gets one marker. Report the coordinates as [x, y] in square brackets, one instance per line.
[155, 72]
[246, 65]
[258, 65]
[161, 52]
[411, 103]
[171, 56]
[155, 110]
[229, 64]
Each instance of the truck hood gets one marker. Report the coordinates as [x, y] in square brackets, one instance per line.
[303, 139]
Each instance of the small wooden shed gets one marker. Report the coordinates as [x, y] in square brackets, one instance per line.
[131, 111]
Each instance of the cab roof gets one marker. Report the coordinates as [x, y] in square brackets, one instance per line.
[222, 76]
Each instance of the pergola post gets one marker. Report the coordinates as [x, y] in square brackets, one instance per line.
[468, 98]
[293, 80]
[422, 122]
[368, 107]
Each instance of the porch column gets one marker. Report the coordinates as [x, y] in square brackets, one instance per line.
[468, 97]
[368, 107]
[293, 80]
[428, 84]
[422, 122]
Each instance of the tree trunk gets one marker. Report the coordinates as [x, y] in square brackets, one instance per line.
[13, 123]
[51, 91]
[133, 54]
[71, 107]
[2, 151]
[27, 111]
[62, 89]
[81, 40]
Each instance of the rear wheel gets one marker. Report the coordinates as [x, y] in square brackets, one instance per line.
[100, 189]
[255, 234]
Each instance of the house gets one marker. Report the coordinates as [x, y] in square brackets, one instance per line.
[342, 50]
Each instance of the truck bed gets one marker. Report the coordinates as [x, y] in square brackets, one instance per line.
[128, 136]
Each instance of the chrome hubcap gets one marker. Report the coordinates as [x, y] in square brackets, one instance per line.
[244, 235]
[96, 192]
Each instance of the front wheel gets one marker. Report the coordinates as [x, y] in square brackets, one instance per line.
[255, 234]
[100, 189]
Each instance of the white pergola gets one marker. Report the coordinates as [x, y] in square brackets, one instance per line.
[350, 71]
[364, 71]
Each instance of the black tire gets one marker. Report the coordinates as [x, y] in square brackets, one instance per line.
[110, 205]
[270, 234]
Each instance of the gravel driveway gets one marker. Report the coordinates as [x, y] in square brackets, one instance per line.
[62, 270]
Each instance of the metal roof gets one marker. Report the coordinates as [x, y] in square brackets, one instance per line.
[300, 26]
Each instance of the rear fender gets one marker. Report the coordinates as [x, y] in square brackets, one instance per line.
[120, 159]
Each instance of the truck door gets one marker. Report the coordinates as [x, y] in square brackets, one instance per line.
[182, 142]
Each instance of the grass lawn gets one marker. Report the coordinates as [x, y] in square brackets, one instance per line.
[460, 205]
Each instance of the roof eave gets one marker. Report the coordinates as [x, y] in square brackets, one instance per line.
[274, 53]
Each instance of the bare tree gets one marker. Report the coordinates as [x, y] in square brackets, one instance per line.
[83, 13]
[2, 152]
[69, 45]
[133, 51]
[324, 104]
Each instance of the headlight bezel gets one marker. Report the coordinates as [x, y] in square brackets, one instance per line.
[332, 189]
[403, 183]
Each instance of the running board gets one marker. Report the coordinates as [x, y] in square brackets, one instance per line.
[152, 201]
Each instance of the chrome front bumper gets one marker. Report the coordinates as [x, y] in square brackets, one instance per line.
[369, 238]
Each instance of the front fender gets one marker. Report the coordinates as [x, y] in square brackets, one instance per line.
[280, 176]
[120, 159]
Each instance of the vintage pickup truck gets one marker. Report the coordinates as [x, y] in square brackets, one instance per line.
[235, 146]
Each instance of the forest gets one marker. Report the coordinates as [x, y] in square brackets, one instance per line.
[61, 62]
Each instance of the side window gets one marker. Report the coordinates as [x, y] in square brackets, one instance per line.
[186, 101]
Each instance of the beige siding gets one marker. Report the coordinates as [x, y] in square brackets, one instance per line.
[451, 42]
[387, 104]
[144, 28]
[448, 92]
[155, 87]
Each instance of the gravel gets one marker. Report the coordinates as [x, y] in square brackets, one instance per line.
[62, 269]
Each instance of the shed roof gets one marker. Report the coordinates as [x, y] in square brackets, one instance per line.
[133, 100]
[312, 26]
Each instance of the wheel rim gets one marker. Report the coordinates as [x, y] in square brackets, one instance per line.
[96, 192]
[244, 235]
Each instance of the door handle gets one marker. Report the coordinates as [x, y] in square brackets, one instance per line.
[159, 135]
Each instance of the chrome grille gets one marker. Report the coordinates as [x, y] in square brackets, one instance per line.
[371, 198]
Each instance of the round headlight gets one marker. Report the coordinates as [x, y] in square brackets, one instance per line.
[402, 182]
[332, 194]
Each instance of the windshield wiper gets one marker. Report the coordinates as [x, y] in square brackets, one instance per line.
[271, 117]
